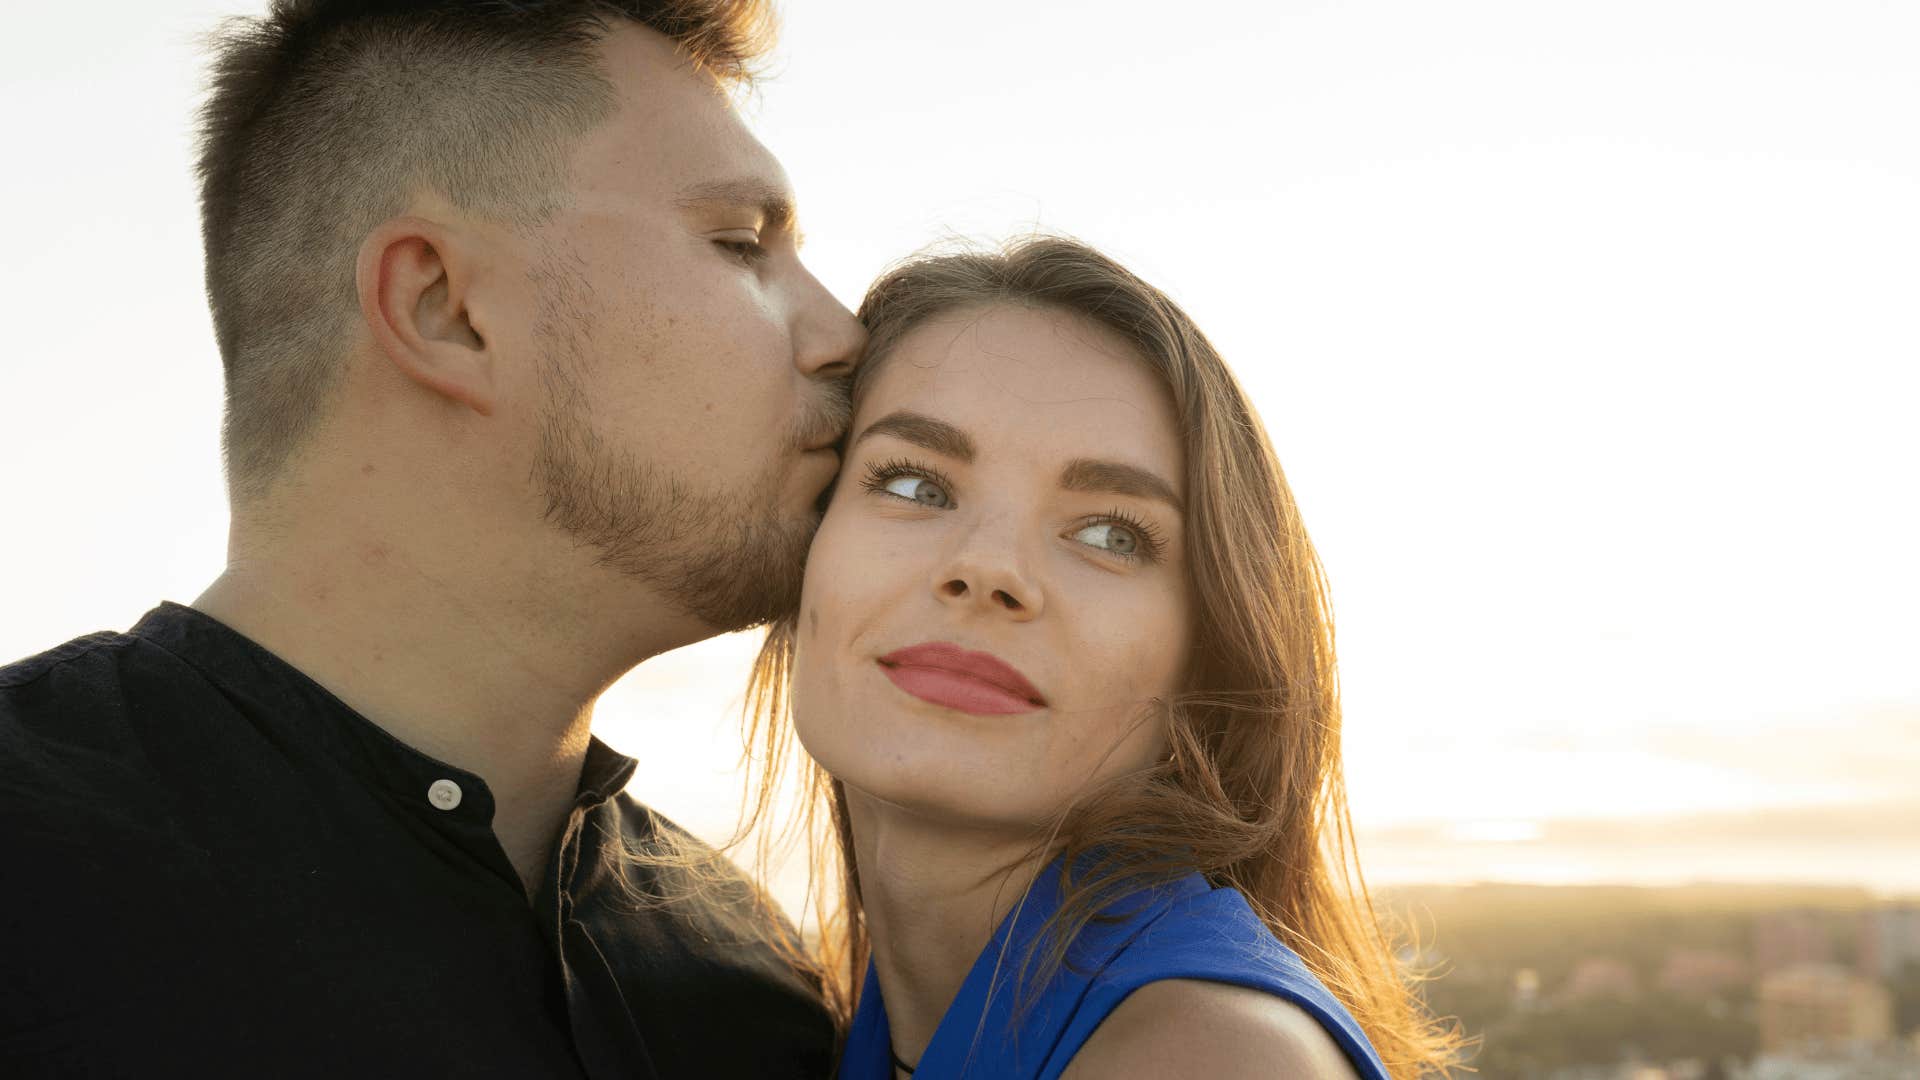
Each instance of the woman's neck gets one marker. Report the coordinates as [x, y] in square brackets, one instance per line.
[933, 892]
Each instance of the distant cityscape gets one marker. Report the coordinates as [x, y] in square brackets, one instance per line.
[1685, 983]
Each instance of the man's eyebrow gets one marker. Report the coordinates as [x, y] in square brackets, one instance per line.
[773, 202]
[922, 430]
[1085, 474]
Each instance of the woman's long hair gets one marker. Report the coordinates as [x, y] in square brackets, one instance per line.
[1251, 793]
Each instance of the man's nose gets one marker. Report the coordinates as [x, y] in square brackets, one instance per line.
[827, 338]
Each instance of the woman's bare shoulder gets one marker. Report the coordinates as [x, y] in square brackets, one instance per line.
[1192, 1028]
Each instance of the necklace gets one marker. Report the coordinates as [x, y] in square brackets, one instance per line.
[898, 1064]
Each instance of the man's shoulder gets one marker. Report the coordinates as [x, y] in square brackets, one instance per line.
[712, 904]
[94, 650]
[644, 823]
[77, 722]
[678, 867]
[77, 692]
[692, 936]
[89, 811]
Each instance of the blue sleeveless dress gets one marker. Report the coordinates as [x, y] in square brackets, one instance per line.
[1187, 930]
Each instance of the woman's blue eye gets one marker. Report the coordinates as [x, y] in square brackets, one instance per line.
[1109, 536]
[919, 489]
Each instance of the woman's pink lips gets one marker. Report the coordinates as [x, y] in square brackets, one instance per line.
[945, 674]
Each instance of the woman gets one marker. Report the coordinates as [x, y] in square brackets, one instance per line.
[1064, 663]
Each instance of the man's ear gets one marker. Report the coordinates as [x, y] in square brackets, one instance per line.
[413, 277]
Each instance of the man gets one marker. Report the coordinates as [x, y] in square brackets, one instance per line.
[525, 384]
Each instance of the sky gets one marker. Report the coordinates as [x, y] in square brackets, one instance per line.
[1586, 335]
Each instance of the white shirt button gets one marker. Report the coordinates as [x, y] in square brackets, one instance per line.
[444, 794]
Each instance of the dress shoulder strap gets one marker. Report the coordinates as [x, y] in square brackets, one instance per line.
[1215, 936]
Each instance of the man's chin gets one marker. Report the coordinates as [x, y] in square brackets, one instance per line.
[750, 583]
[725, 571]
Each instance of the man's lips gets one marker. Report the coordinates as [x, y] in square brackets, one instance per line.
[946, 674]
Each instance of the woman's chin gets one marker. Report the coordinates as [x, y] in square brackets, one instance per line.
[937, 795]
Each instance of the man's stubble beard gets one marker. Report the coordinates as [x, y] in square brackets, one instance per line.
[721, 558]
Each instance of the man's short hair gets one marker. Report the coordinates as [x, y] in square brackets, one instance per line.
[324, 116]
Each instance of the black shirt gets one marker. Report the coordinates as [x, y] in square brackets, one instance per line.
[211, 866]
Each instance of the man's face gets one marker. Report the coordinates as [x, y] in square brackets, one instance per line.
[692, 372]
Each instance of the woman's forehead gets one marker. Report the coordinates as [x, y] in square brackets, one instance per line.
[1025, 375]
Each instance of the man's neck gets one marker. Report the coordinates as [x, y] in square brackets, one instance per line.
[933, 894]
[498, 678]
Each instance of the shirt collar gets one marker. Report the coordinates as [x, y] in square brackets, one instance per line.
[603, 774]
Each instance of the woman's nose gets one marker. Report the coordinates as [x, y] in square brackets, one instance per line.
[997, 583]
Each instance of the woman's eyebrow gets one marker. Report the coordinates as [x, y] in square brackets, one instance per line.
[924, 431]
[1086, 474]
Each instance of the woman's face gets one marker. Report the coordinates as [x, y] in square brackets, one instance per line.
[998, 590]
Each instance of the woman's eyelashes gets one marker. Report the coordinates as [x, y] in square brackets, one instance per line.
[1115, 533]
[909, 482]
[1124, 535]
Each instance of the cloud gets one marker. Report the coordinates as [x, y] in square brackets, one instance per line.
[1873, 750]
[1876, 844]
